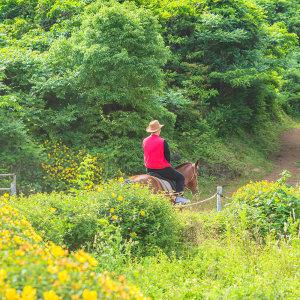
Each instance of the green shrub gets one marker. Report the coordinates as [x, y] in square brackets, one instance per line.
[198, 226]
[266, 207]
[147, 220]
[63, 219]
[67, 169]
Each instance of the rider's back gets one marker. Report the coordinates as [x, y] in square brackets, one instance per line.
[154, 157]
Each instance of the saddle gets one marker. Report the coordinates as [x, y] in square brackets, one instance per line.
[168, 185]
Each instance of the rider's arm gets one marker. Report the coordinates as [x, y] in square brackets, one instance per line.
[167, 151]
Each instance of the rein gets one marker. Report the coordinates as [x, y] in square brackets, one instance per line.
[194, 175]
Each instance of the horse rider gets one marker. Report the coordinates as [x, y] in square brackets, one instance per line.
[157, 156]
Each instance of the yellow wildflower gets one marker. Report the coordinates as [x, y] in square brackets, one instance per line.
[52, 269]
[120, 198]
[114, 217]
[113, 195]
[57, 251]
[89, 295]
[142, 213]
[75, 286]
[29, 293]
[19, 252]
[63, 276]
[92, 261]
[11, 294]
[50, 295]
[3, 275]
[108, 285]
[112, 210]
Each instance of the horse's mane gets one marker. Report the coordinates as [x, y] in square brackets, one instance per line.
[184, 164]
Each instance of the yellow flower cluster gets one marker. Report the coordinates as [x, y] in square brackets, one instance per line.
[253, 190]
[75, 169]
[31, 269]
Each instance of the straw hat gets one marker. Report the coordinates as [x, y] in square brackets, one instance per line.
[154, 126]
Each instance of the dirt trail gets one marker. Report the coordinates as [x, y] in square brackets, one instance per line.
[288, 158]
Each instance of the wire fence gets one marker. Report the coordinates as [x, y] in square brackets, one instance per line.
[199, 202]
[217, 196]
[221, 199]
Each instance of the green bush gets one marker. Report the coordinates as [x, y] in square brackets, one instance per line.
[63, 219]
[146, 218]
[147, 221]
[266, 207]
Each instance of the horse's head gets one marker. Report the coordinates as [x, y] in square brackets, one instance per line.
[193, 183]
[190, 172]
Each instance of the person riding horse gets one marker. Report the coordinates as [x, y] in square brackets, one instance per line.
[157, 156]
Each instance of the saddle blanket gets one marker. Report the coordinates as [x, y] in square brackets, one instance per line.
[165, 185]
[168, 186]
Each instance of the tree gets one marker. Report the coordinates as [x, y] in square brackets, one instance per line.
[100, 84]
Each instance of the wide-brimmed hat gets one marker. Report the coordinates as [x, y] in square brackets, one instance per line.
[154, 126]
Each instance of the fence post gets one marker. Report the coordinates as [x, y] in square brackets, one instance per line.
[13, 186]
[219, 198]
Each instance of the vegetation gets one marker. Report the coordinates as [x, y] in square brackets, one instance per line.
[31, 269]
[85, 219]
[232, 254]
[90, 75]
[79, 82]
[269, 207]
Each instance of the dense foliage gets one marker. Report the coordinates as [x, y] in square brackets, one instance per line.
[31, 269]
[92, 74]
[228, 270]
[269, 207]
[231, 254]
[147, 222]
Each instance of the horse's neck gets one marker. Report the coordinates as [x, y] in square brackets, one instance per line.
[186, 170]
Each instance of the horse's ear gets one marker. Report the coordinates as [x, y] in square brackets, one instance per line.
[197, 164]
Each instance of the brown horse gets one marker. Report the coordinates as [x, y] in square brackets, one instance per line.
[188, 170]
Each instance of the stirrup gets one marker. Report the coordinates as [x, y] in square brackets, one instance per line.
[181, 200]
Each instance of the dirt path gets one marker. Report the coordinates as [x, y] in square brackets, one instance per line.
[288, 158]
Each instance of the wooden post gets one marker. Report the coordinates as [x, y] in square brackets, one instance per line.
[13, 186]
[219, 198]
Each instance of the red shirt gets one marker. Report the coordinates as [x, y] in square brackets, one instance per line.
[154, 156]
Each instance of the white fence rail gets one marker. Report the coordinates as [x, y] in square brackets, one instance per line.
[13, 185]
